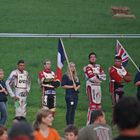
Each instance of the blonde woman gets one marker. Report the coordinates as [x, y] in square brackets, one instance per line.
[42, 126]
[71, 90]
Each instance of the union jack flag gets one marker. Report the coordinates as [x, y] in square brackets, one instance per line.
[120, 51]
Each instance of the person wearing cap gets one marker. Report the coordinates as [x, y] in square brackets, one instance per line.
[98, 129]
[48, 82]
[118, 77]
[18, 86]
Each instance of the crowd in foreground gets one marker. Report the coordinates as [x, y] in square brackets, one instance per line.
[126, 116]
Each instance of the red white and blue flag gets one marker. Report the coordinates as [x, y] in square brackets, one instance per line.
[60, 59]
[120, 51]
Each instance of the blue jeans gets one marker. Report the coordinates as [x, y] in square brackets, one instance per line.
[3, 111]
[71, 102]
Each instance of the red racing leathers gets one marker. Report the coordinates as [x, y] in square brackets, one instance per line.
[48, 83]
[94, 75]
[117, 80]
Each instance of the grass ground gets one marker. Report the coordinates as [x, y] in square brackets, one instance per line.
[63, 16]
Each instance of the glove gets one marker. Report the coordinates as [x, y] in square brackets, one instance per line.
[55, 83]
[102, 77]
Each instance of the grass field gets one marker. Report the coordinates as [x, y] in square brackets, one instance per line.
[63, 16]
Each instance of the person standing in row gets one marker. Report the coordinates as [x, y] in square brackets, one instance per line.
[48, 82]
[71, 84]
[118, 77]
[94, 76]
[18, 86]
[3, 98]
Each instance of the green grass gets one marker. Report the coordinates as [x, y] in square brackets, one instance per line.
[91, 16]
[64, 16]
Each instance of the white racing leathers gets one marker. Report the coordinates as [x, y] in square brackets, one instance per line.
[94, 76]
[18, 85]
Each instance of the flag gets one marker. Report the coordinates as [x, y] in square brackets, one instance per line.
[60, 59]
[120, 51]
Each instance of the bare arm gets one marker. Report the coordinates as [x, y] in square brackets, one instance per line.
[68, 86]
[137, 83]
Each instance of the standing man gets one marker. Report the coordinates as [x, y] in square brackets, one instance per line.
[137, 84]
[18, 86]
[94, 76]
[118, 76]
[48, 83]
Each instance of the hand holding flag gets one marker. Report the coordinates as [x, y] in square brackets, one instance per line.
[120, 51]
[61, 57]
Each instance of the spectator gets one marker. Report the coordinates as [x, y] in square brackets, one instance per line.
[71, 84]
[3, 99]
[21, 131]
[94, 76]
[127, 117]
[71, 132]
[3, 133]
[42, 126]
[18, 86]
[97, 129]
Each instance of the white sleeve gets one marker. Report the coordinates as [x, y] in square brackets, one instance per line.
[28, 83]
[9, 84]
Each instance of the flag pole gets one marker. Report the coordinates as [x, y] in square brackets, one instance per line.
[5, 90]
[130, 57]
[67, 61]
